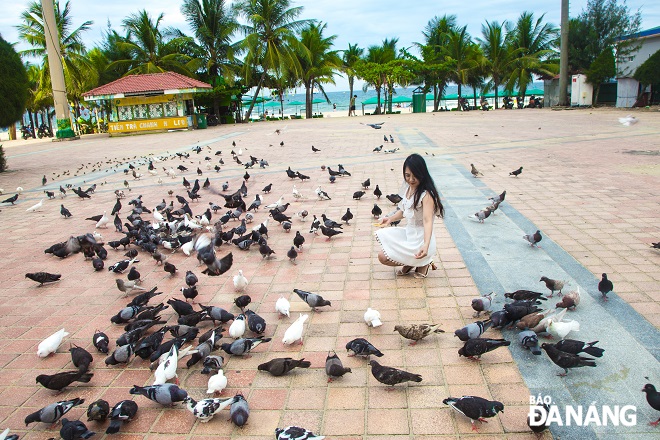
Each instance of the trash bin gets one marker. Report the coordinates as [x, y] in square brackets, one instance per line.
[201, 120]
[418, 100]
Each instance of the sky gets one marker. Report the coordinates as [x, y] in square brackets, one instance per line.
[365, 22]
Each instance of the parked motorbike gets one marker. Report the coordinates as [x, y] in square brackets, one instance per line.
[26, 131]
[44, 131]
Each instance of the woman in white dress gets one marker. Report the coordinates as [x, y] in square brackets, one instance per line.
[413, 246]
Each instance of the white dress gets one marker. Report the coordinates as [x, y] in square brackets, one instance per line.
[400, 244]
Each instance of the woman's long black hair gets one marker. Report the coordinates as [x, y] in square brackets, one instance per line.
[417, 166]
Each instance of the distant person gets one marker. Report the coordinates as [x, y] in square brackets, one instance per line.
[351, 110]
[484, 104]
[334, 106]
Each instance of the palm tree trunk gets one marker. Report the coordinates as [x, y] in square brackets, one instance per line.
[377, 112]
[497, 84]
[460, 107]
[254, 98]
[308, 100]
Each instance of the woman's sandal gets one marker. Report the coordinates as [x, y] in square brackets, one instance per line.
[422, 271]
[405, 270]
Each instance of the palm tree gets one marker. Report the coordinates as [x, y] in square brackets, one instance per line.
[497, 52]
[151, 49]
[270, 39]
[460, 54]
[72, 48]
[349, 60]
[435, 72]
[214, 25]
[318, 62]
[534, 42]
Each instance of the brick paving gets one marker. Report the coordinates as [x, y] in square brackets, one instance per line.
[580, 185]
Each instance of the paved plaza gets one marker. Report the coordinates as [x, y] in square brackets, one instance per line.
[589, 184]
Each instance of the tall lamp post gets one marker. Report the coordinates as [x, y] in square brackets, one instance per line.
[56, 68]
[563, 57]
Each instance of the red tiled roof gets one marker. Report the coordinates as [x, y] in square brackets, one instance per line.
[152, 82]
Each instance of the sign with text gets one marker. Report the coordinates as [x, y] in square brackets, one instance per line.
[180, 123]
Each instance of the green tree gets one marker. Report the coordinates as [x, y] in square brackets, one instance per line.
[648, 74]
[602, 69]
[373, 68]
[152, 49]
[581, 36]
[350, 58]
[13, 85]
[461, 56]
[318, 62]
[534, 44]
[498, 54]
[214, 25]
[270, 39]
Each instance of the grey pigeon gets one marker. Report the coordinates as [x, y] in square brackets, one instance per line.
[534, 238]
[212, 363]
[123, 412]
[239, 410]
[53, 412]
[475, 408]
[165, 394]
[473, 330]
[121, 355]
[74, 430]
[333, 367]
[255, 323]
[296, 433]
[392, 376]
[312, 299]
[483, 304]
[530, 340]
[191, 279]
[43, 277]
[281, 366]
[362, 347]
[552, 285]
[243, 346]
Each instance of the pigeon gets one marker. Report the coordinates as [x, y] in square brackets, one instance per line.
[475, 408]
[216, 383]
[628, 121]
[240, 282]
[239, 412]
[267, 188]
[65, 212]
[333, 367]
[483, 303]
[552, 285]
[394, 198]
[182, 308]
[98, 411]
[296, 433]
[566, 360]
[191, 279]
[576, 347]
[478, 346]
[295, 331]
[281, 366]
[165, 394]
[43, 277]
[205, 409]
[51, 343]
[133, 274]
[243, 346]
[167, 370]
[100, 340]
[255, 323]
[313, 300]
[605, 286]
[530, 340]
[372, 318]
[348, 216]
[516, 172]
[561, 329]
[417, 332]
[534, 238]
[169, 268]
[121, 355]
[473, 330]
[35, 207]
[483, 214]
[314, 149]
[242, 301]
[329, 232]
[570, 300]
[540, 422]
[81, 358]
[376, 211]
[123, 412]
[103, 221]
[282, 306]
[392, 376]
[53, 412]
[322, 195]
[498, 199]
[237, 328]
[128, 286]
[11, 199]
[523, 295]
[299, 240]
[653, 398]
[475, 172]
[212, 363]
[292, 254]
[74, 430]
[366, 184]
[362, 347]
[59, 381]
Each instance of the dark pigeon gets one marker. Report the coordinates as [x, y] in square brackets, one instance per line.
[362, 347]
[281, 366]
[392, 376]
[475, 408]
[53, 412]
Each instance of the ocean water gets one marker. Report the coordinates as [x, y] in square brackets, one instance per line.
[342, 100]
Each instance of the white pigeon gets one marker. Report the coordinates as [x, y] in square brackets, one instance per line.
[264, 223]
[217, 383]
[561, 329]
[160, 181]
[50, 344]
[153, 172]
[103, 221]
[282, 306]
[555, 316]
[158, 216]
[295, 331]
[628, 120]
[205, 409]
[237, 328]
[167, 370]
[19, 189]
[187, 247]
[36, 207]
[98, 237]
[240, 282]
[296, 193]
[240, 152]
[372, 317]
[276, 204]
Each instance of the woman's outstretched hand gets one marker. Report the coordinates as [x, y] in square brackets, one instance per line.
[384, 220]
[421, 253]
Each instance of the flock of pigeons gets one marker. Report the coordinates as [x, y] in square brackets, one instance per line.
[175, 228]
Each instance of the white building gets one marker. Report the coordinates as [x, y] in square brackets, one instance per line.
[628, 88]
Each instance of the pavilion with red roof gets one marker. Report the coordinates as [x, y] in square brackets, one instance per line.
[154, 101]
